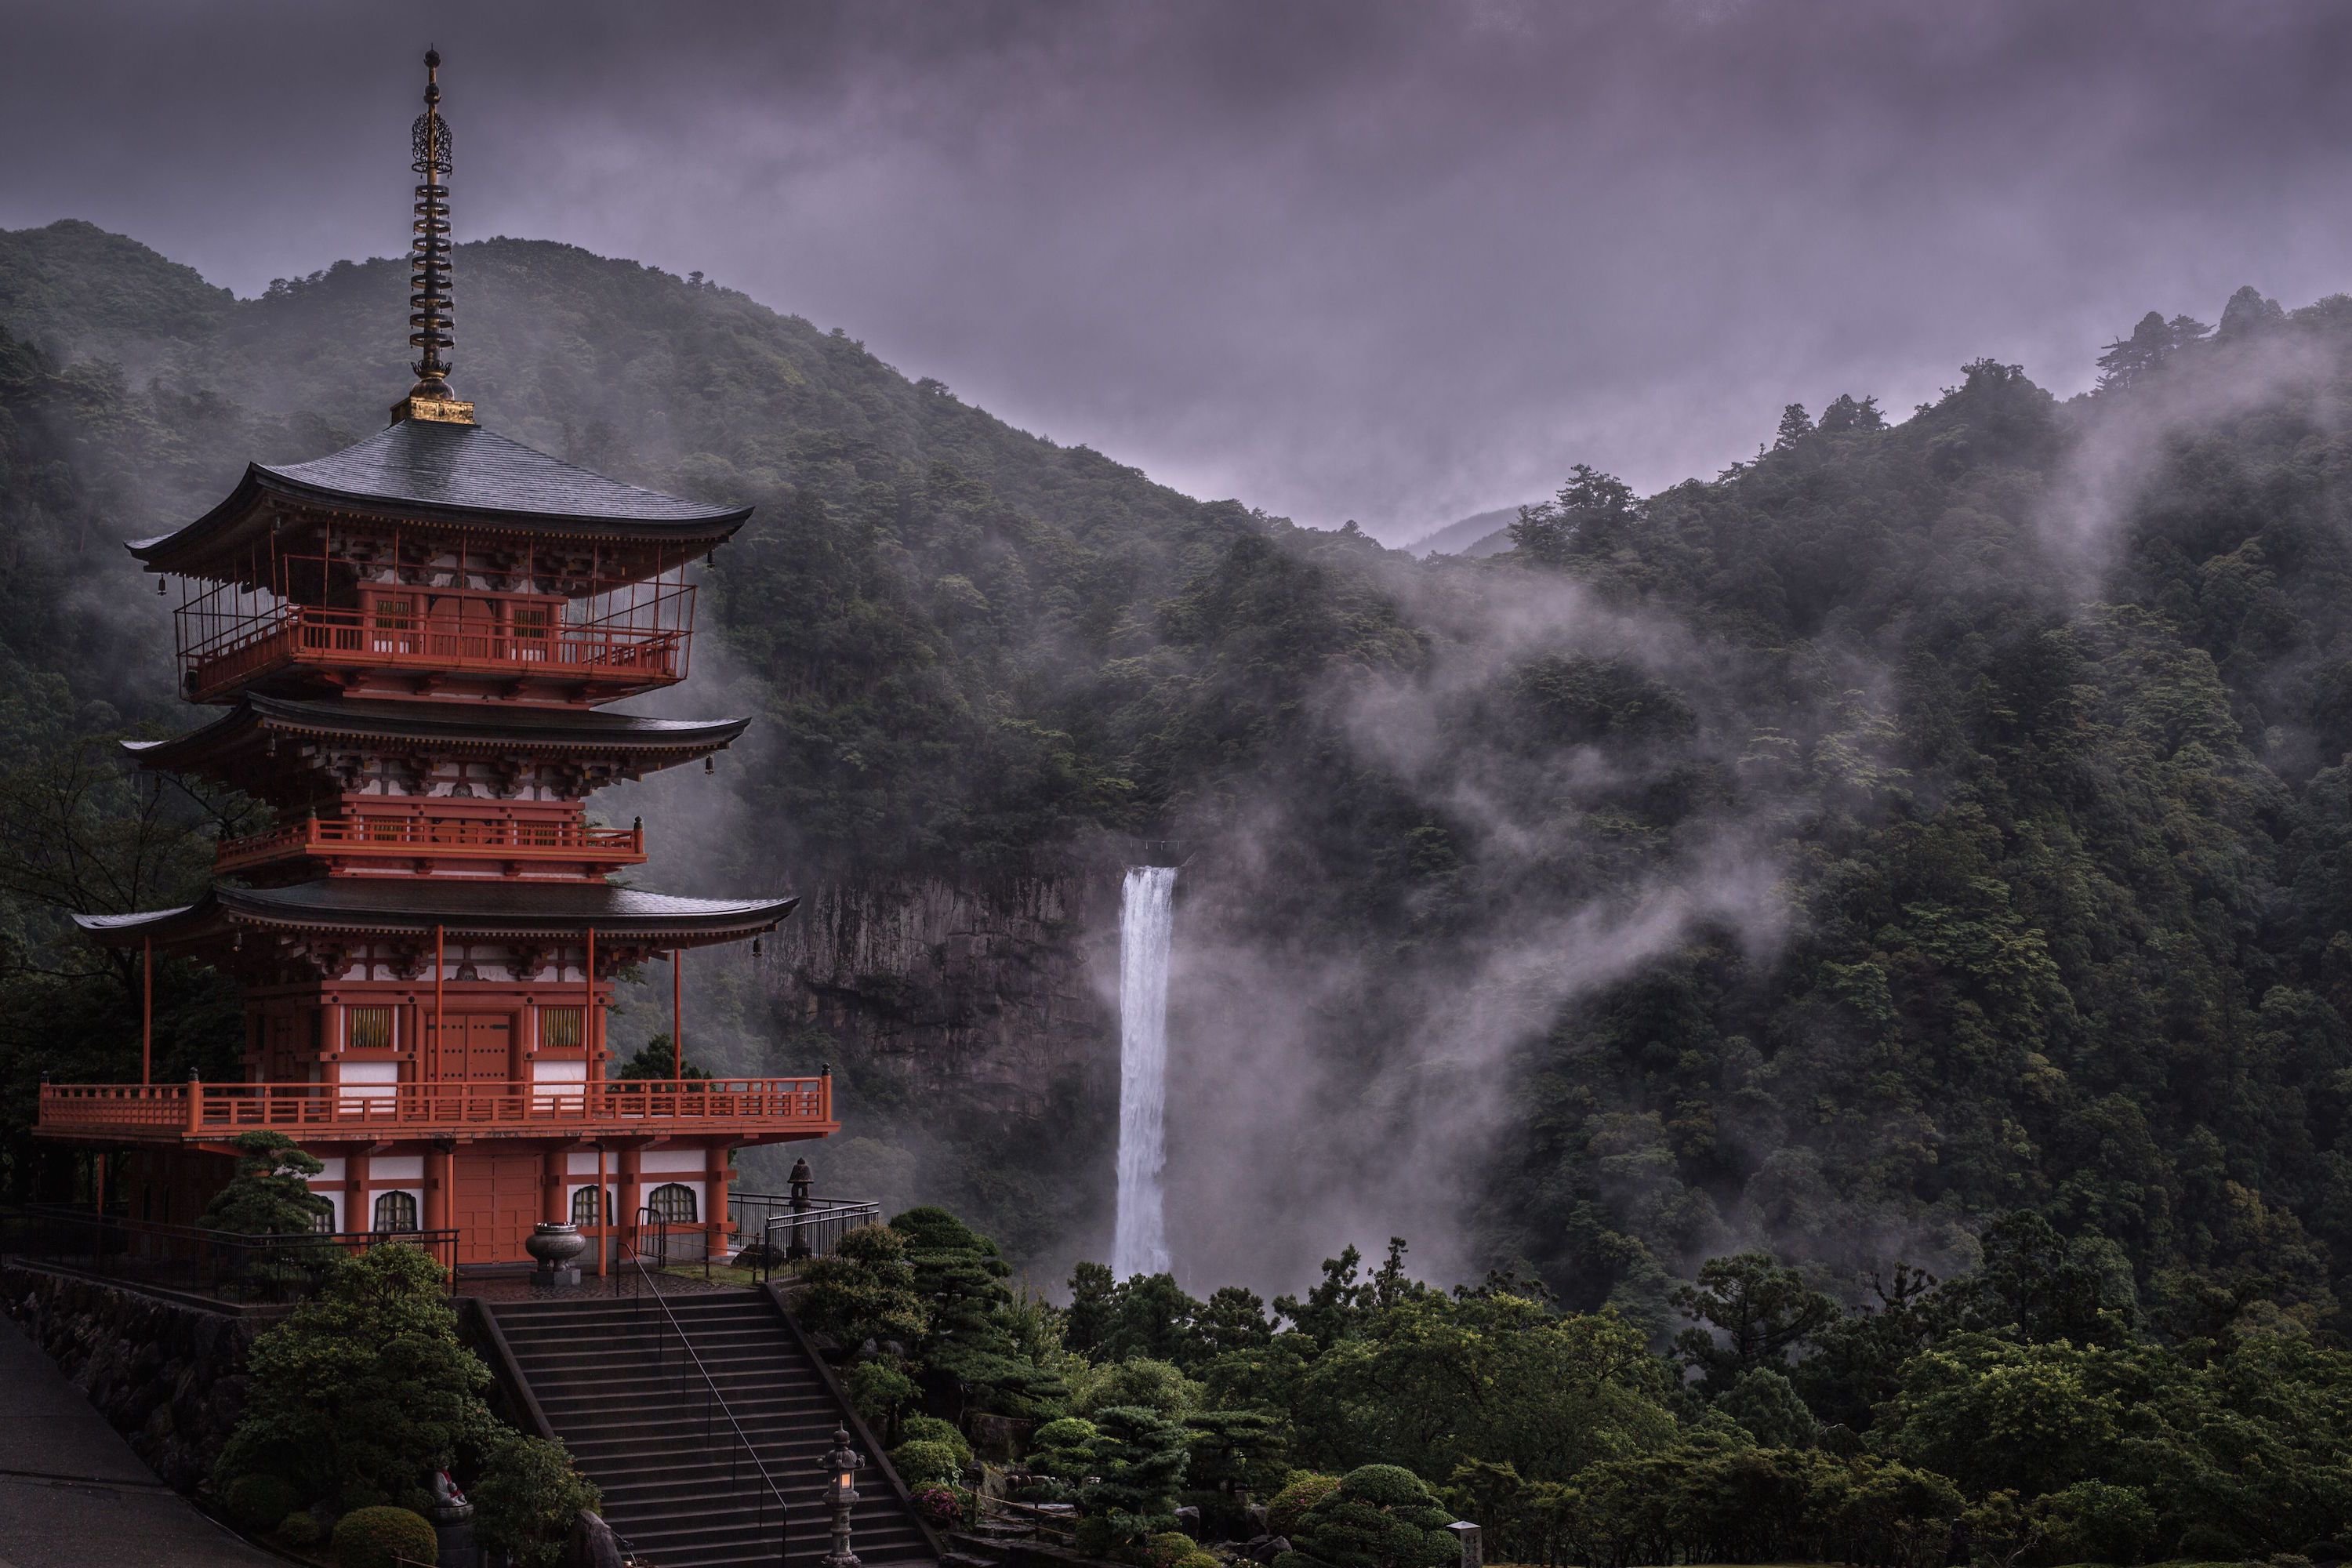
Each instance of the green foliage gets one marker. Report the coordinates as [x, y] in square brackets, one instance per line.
[1768, 1408]
[657, 1059]
[865, 1289]
[365, 1391]
[299, 1531]
[1284, 1509]
[1153, 1384]
[1238, 1451]
[380, 1537]
[268, 1194]
[967, 1348]
[1434, 1381]
[1379, 1516]
[528, 1494]
[1063, 1449]
[259, 1500]
[925, 1460]
[1137, 1457]
[1759, 1311]
[878, 1390]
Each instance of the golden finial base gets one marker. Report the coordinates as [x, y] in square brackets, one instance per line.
[438, 410]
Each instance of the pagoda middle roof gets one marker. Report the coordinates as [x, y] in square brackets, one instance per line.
[405, 906]
[436, 470]
[496, 727]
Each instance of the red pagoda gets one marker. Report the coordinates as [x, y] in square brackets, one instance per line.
[412, 642]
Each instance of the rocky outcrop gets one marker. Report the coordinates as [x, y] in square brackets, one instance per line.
[988, 991]
[171, 1378]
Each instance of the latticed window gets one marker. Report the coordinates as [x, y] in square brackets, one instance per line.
[395, 1211]
[558, 1029]
[672, 1202]
[368, 1028]
[583, 1207]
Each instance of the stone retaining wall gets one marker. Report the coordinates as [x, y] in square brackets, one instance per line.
[170, 1378]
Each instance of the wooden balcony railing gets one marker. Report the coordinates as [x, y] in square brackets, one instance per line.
[592, 654]
[360, 836]
[802, 1107]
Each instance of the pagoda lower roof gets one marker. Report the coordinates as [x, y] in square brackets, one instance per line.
[470, 726]
[433, 470]
[411, 906]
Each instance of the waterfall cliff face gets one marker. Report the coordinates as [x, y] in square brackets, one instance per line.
[1147, 920]
[985, 998]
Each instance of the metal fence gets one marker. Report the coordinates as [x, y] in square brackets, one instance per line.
[225, 1265]
[787, 1230]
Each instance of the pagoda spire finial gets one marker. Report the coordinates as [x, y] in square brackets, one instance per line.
[428, 266]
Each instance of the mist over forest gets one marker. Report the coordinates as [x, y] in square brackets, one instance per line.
[1933, 814]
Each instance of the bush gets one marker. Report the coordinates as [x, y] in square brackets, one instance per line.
[1063, 1449]
[1379, 1516]
[375, 1537]
[1282, 1513]
[1164, 1550]
[1151, 1385]
[931, 1430]
[942, 1506]
[2093, 1521]
[877, 1389]
[299, 1530]
[259, 1501]
[924, 1460]
[527, 1498]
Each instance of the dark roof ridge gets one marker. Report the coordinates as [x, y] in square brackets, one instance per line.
[434, 469]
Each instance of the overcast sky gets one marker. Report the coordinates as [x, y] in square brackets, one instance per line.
[1394, 262]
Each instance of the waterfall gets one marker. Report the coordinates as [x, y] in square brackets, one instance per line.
[1146, 915]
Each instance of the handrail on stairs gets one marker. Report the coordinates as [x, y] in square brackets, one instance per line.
[715, 1402]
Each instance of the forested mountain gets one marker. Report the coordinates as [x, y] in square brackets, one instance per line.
[1918, 821]
[1480, 534]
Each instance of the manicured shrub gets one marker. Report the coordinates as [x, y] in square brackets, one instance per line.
[942, 1506]
[877, 1390]
[299, 1530]
[1379, 1516]
[931, 1430]
[378, 1537]
[527, 1498]
[1282, 1513]
[926, 1461]
[259, 1500]
[1063, 1449]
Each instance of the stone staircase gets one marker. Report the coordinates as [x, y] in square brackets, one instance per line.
[613, 1385]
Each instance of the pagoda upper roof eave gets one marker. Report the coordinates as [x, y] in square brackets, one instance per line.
[564, 501]
[458, 726]
[410, 908]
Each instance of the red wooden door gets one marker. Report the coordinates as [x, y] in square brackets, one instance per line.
[479, 1047]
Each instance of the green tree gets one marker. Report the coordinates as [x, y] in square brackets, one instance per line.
[365, 1391]
[1759, 1311]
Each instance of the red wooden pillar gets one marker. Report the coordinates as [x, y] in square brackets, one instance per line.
[357, 1215]
[604, 1215]
[440, 1182]
[555, 1164]
[678, 1011]
[439, 1038]
[716, 1173]
[633, 1195]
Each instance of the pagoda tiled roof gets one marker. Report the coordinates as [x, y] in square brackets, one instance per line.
[399, 906]
[497, 727]
[438, 470]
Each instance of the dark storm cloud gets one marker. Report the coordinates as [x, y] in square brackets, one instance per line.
[1398, 262]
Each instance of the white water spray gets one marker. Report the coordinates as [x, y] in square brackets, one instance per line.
[1146, 919]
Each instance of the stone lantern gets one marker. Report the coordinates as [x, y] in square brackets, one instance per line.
[840, 1492]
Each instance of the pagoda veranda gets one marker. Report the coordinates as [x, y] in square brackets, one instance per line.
[409, 648]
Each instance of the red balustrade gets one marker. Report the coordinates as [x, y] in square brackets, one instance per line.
[496, 840]
[800, 1106]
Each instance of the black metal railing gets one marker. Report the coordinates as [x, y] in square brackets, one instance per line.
[644, 1280]
[780, 1230]
[221, 1265]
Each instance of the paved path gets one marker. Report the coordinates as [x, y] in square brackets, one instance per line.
[73, 1495]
